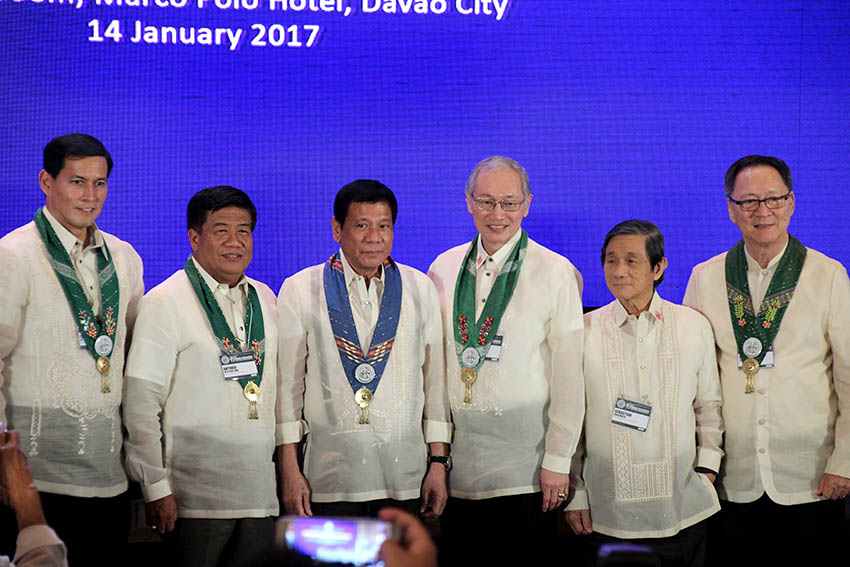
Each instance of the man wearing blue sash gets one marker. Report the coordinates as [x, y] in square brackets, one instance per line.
[779, 312]
[361, 364]
[513, 323]
[202, 391]
[68, 299]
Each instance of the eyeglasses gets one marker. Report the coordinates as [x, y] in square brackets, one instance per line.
[486, 205]
[750, 205]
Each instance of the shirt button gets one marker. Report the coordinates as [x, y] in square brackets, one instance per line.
[487, 274]
[762, 450]
[761, 391]
[761, 421]
[483, 300]
[640, 340]
[643, 366]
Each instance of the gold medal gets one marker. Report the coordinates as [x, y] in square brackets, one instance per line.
[252, 394]
[750, 368]
[363, 397]
[468, 376]
[103, 367]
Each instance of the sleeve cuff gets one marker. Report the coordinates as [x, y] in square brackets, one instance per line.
[839, 466]
[708, 459]
[157, 490]
[437, 431]
[556, 463]
[579, 501]
[35, 536]
[291, 432]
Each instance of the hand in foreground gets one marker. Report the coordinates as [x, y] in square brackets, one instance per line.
[161, 514]
[555, 487]
[434, 492]
[17, 488]
[415, 547]
[579, 521]
[833, 486]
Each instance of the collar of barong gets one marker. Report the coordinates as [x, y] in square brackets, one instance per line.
[227, 343]
[345, 331]
[89, 326]
[497, 301]
[764, 323]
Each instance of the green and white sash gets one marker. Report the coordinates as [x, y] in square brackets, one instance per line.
[472, 350]
[98, 334]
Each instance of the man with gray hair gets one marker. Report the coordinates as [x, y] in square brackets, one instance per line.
[512, 322]
[779, 314]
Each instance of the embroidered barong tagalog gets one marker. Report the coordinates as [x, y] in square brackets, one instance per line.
[756, 331]
[472, 350]
[224, 336]
[97, 334]
[363, 372]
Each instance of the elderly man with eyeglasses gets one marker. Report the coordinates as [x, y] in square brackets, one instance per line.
[779, 312]
[513, 335]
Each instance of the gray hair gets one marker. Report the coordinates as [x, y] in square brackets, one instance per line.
[498, 162]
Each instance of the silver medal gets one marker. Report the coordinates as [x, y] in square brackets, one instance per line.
[364, 373]
[752, 347]
[103, 345]
[470, 357]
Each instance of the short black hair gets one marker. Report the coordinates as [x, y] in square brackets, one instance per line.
[214, 199]
[752, 161]
[363, 191]
[654, 241]
[73, 146]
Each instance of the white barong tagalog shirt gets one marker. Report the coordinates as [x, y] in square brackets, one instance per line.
[527, 408]
[51, 389]
[642, 484]
[345, 460]
[796, 425]
[188, 428]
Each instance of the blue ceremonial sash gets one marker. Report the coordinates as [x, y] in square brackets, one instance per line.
[345, 332]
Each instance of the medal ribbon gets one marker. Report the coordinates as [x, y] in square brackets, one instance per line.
[344, 330]
[223, 335]
[494, 308]
[764, 324]
[89, 326]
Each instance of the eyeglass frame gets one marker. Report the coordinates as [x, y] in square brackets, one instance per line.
[481, 207]
[767, 200]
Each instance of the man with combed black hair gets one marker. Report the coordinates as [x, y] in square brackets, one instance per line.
[361, 366]
[779, 314]
[68, 299]
[651, 446]
[202, 391]
[513, 341]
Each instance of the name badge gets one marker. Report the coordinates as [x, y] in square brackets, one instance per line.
[238, 365]
[633, 415]
[495, 350]
[766, 363]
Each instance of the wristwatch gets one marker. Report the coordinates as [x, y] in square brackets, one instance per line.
[445, 461]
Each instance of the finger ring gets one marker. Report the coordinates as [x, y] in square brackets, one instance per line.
[561, 495]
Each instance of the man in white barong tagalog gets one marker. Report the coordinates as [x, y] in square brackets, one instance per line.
[361, 365]
[512, 320]
[202, 393]
[651, 446]
[779, 314]
[68, 300]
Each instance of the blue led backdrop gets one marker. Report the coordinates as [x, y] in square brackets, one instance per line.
[618, 109]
